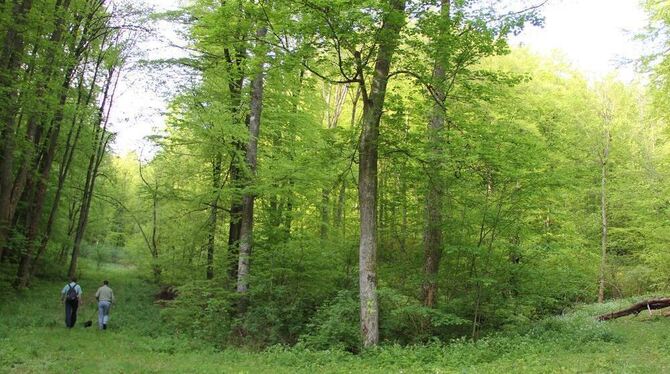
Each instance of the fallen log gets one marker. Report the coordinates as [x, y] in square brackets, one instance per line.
[637, 308]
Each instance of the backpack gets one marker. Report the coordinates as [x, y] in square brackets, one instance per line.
[71, 294]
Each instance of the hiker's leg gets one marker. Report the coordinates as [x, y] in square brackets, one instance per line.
[101, 313]
[105, 317]
[68, 313]
[75, 306]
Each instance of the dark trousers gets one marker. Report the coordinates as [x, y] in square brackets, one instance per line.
[71, 312]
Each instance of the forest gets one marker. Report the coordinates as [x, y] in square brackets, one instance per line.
[333, 174]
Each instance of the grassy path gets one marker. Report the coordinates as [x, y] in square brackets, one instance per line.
[33, 340]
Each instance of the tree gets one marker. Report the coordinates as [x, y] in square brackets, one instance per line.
[251, 158]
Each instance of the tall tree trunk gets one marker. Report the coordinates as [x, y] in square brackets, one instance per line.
[235, 83]
[156, 267]
[84, 209]
[256, 110]
[603, 212]
[433, 239]
[234, 226]
[367, 174]
[213, 214]
[72, 219]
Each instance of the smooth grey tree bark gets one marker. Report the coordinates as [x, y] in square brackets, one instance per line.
[373, 105]
[256, 110]
[235, 63]
[213, 214]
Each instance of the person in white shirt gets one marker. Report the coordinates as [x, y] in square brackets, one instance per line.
[71, 297]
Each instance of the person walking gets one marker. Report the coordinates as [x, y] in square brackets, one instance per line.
[71, 297]
[105, 297]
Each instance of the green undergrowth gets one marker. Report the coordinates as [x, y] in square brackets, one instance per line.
[33, 340]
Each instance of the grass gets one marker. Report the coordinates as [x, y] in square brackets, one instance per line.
[33, 340]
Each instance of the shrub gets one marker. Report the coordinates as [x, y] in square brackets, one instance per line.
[335, 325]
[404, 320]
[202, 310]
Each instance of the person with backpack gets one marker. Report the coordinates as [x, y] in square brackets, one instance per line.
[71, 297]
[105, 297]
